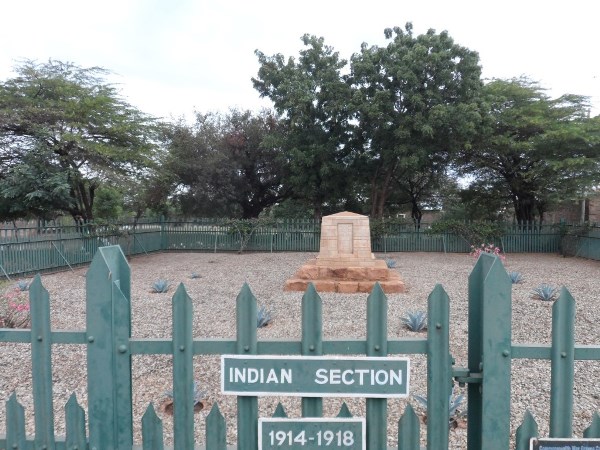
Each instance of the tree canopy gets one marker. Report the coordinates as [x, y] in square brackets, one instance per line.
[534, 151]
[313, 102]
[227, 164]
[398, 128]
[71, 122]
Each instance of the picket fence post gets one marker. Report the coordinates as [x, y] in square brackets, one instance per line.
[108, 327]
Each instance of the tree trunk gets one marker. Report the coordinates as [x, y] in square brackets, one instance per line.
[380, 193]
[524, 209]
[416, 213]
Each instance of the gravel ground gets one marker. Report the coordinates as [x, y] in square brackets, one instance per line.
[344, 315]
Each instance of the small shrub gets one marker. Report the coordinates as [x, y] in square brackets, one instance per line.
[14, 309]
[454, 403]
[195, 275]
[415, 320]
[390, 263]
[545, 292]
[515, 277]
[486, 248]
[263, 317]
[23, 285]
[160, 286]
[199, 396]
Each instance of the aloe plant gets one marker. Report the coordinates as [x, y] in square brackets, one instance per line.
[545, 292]
[263, 317]
[515, 277]
[160, 286]
[415, 320]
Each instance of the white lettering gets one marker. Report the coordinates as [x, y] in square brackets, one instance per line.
[395, 377]
[286, 375]
[347, 372]
[385, 377]
[334, 376]
[361, 373]
[321, 376]
[272, 377]
[240, 375]
[253, 375]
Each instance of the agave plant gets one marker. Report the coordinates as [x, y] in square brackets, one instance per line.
[515, 277]
[545, 292]
[160, 286]
[263, 317]
[390, 263]
[454, 402]
[199, 395]
[415, 320]
[23, 285]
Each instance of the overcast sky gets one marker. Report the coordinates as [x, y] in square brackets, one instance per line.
[171, 57]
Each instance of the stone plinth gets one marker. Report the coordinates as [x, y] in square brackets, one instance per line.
[345, 262]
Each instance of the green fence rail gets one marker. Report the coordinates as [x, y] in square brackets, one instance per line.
[40, 249]
[110, 348]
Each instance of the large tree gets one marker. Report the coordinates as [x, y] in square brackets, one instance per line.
[227, 164]
[312, 100]
[415, 101]
[71, 121]
[534, 151]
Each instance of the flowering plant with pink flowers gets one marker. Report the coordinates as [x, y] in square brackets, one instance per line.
[14, 309]
[486, 248]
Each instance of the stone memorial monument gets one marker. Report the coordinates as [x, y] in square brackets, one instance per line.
[345, 262]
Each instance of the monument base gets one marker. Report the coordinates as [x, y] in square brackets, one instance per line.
[336, 275]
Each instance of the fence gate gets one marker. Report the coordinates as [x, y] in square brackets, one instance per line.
[110, 347]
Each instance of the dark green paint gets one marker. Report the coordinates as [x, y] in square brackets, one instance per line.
[152, 430]
[562, 366]
[312, 342]
[41, 364]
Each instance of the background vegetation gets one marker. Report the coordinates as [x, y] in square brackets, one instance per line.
[404, 127]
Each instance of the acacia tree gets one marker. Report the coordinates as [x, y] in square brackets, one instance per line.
[535, 150]
[71, 121]
[312, 100]
[416, 105]
[227, 165]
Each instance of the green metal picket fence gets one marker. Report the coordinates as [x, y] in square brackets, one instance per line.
[37, 249]
[110, 348]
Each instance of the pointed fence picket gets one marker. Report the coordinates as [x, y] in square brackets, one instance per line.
[110, 348]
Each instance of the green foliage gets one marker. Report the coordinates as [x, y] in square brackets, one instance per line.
[312, 99]
[532, 150]
[108, 204]
[68, 125]
[472, 232]
[515, 277]
[160, 286]
[245, 228]
[415, 320]
[263, 317]
[386, 226]
[226, 165]
[545, 292]
[415, 103]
